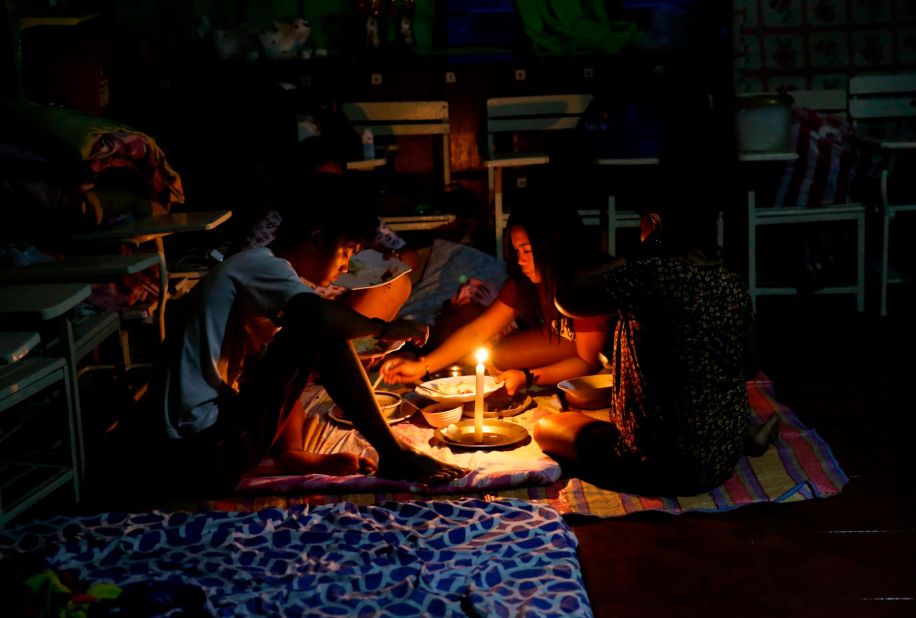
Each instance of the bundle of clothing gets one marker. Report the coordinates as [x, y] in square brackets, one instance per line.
[65, 171]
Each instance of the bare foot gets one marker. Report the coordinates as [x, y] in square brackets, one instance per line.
[758, 439]
[333, 464]
[411, 465]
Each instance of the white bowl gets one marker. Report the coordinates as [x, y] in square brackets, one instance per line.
[589, 392]
[456, 389]
[442, 414]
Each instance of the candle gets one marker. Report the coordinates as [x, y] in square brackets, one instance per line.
[478, 396]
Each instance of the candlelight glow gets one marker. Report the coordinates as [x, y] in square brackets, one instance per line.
[479, 372]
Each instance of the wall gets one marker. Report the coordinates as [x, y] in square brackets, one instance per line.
[820, 43]
[334, 23]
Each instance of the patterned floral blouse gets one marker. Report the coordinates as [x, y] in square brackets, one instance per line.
[681, 400]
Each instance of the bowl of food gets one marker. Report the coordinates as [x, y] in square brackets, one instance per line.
[457, 389]
[389, 403]
[501, 405]
[442, 414]
[589, 392]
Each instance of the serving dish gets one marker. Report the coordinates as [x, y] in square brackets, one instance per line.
[589, 392]
[456, 389]
[501, 405]
[496, 434]
[391, 404]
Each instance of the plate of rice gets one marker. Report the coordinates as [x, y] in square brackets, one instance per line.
[457, 389]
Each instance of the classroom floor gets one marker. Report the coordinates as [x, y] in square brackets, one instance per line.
[847, 376]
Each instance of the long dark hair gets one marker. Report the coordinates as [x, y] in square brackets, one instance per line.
[559, 244]
[697, 171]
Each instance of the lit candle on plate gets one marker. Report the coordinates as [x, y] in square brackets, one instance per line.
[478, 396]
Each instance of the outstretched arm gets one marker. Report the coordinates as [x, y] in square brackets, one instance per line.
[591, 335]
[334, 321]
[457, 346]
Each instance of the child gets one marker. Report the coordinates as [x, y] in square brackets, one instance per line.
[233, 374]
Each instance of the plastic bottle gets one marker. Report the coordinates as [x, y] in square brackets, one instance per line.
[368, 144]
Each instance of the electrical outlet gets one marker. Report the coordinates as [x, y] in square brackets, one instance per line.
[520, 75]
[521, 182]
[588, 72]
[376, 79]
[450, 77]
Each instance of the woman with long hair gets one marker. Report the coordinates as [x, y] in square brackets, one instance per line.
[548, 243]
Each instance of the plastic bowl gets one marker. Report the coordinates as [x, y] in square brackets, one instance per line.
[442, 414]
[388, 402]
[589, 392]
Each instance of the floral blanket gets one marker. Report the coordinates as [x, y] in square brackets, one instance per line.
[435, 558]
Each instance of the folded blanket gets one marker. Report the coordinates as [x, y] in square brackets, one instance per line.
[75, 138]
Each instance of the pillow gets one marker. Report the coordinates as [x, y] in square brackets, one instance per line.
[449, 266]
[826, 162]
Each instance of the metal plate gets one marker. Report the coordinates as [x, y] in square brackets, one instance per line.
[403, 414]
[496, 434]
[505, 406]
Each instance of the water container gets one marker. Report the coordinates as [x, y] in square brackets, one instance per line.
[368, 144]
[763, 123]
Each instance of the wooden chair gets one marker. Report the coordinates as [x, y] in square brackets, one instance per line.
[404, 118]
[532, 114]
[757, 217]
[873, 101]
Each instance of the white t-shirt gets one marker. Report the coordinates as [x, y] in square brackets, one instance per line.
[265, 231]
[231, 317]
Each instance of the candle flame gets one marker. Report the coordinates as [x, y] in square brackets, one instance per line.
[481, 355]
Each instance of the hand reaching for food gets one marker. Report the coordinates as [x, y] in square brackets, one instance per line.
[402, 371]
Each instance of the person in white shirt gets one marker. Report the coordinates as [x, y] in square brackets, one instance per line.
[322, 155]
[254, 333]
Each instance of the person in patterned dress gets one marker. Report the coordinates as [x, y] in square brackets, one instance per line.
[683, 346]
[683, 335]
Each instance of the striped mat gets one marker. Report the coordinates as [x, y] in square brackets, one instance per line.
[799, 466]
